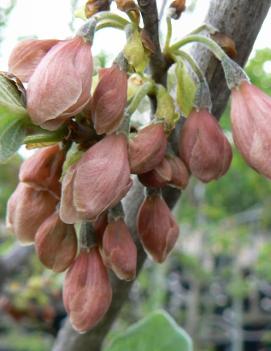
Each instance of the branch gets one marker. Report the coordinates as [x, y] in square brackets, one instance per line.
[149, 13]
[227, 16]
[241, 20]
[14, 261]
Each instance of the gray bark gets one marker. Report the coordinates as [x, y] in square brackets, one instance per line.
[240, 19]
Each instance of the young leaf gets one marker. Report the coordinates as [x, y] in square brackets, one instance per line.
[12, 134]
[10, 95]
[157, 332]
[135, 53]
[13, 117]
[186, 89]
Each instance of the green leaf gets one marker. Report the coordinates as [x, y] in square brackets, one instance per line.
[10, 96]
[135, 53]
[13, 118]
[12, 134]
[157, 332]
[186, 89]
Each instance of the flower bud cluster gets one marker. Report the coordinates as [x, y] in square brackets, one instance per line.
[59, 188]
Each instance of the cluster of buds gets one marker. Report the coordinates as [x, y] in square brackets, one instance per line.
[82, 178]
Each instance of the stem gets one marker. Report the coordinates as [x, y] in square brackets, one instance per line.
[209, 43]
[205, 27]
[169, 34]
[203, 95]
[140, 94]
[193, 64]
[145, 89]
[107, 15]
[87, 237]
[109, 23]
[115, 213]
[42, 136]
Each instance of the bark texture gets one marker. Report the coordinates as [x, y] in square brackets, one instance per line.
[240, 19]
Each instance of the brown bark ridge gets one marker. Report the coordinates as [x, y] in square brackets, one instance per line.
[240, 19]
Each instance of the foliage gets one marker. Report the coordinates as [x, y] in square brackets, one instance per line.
[157, 332]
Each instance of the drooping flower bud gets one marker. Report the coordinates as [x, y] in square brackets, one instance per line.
[129, 7]
[158, 177]
[26, 56]
[87, 292]
[250, 117]
[27, 209]
[109, 100]
[60, 85]
[180, 174]
[43, 170]
[156, 227]
[203, 146]
[56, 243]
[147, 148]
[176, 8]
[227, 44]
[118, 249]
[99, 180]
[94, 6]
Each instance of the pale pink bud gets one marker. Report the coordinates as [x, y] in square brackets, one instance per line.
[203, 146]
[180, 174]
[119, 250]
[109, 100]
[27, 209]
[156, 227]
[147, 148]
[43, 170]
[87, 292]
[27, 55]
[60, 85]
[250, 117]
[98, 181]
[157, 177]
[56, 243]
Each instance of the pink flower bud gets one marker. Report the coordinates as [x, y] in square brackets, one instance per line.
[56, 243]
[27, 55]
[27, 209]
[43, 170]
[158, 177]
[147, 148]
[60, 85]
[119, 250]
[250, 117]
[98, 181]
[87, 292]
[180, 174]
[156, 227]
[109, 100]
[203, 146]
